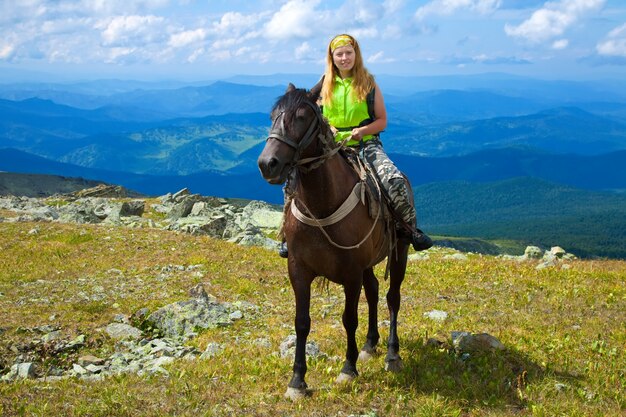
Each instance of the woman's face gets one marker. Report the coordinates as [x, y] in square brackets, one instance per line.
[343, 58]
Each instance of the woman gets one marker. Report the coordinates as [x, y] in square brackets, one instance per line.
[355, 109]
[354, 106]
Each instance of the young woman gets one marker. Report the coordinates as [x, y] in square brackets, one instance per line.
[353, 104]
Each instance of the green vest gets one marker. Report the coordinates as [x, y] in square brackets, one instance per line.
[344, 112]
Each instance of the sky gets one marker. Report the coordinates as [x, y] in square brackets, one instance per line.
[204, 39]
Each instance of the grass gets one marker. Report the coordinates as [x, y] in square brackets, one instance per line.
[563, 329]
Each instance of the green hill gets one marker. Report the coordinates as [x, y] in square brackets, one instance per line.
[527, 209]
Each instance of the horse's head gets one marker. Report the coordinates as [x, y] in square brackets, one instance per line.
[296, 121]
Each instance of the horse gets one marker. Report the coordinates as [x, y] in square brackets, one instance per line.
[341, 248]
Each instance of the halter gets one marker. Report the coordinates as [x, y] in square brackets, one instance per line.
[279, 133]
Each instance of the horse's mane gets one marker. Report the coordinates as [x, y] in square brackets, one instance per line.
[291, 100]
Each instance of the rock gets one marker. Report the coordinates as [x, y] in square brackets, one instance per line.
[79, 370]
[418, 256]
[235, 315]
[533, 252]
[456, 257]
[120, 331]
[263, 215]
[184, 318]
[183, 206]
[212, 349]
[87, 360]
[436, 315]
[49, 337]
[26, 370]
[558, 252]
[199, 292]
[132, 208]
[465, 342]
[288, 348]
[77, 342]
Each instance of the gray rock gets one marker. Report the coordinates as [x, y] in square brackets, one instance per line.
[132, 208]
[212, 349]
[436, 315]
[120, 331]
[26, 370]
[456, 257]
[533, 252]
[184, 318]
[465, 342]
[288, 348]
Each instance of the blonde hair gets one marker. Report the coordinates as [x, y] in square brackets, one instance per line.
[362, 80]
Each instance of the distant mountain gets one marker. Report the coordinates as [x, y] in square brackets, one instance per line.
[560, 130]
[189, 101]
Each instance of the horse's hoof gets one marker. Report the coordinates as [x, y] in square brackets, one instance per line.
[296, 394]
[344, 378]
[366, 355]
[394, 365]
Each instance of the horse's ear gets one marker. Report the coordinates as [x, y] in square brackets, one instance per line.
[290, 88]
[315, 92]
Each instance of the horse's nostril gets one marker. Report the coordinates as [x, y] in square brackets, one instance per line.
[273, 162]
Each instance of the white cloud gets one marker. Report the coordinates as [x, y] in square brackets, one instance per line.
[448, 7]
[304, 52]
[379, 58]
[235, 23]
[615, 45]
[179, 40]
[122, 30]
[6, 51]
[560, 44]
[392, 6]
[296, 18]
[552, 20]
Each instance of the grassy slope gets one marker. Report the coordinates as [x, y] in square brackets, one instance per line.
[559, 325]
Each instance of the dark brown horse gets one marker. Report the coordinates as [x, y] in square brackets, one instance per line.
[345, 250]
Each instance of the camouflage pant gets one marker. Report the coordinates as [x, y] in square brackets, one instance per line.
[391, 179]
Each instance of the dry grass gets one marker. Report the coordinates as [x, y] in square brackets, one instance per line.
[563, 328]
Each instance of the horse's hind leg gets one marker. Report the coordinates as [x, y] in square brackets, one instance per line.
[370, 285]
[393, 361]
[352, 291]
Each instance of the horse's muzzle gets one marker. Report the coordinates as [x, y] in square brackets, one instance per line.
[272, 168]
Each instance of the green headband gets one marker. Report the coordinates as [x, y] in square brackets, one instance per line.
[339, 41]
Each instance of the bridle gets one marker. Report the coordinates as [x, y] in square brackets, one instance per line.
[314, 130]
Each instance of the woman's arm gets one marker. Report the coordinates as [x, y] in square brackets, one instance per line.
[380, 122]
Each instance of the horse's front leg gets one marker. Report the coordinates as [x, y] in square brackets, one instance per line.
[301, 284]
[352, 291]
[370, 285]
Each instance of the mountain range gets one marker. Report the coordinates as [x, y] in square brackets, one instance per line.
[460, 140]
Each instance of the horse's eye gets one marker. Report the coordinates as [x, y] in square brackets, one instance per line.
[300, 113]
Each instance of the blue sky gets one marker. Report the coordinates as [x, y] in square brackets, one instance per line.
[205, 39]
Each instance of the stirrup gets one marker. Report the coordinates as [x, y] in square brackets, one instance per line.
[282, 250]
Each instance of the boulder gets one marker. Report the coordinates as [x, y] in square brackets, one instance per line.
[465, 342]
[120, 331]
[183, 319]
[533, 252]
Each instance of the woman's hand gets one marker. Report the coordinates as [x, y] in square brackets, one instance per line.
[357, 134]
